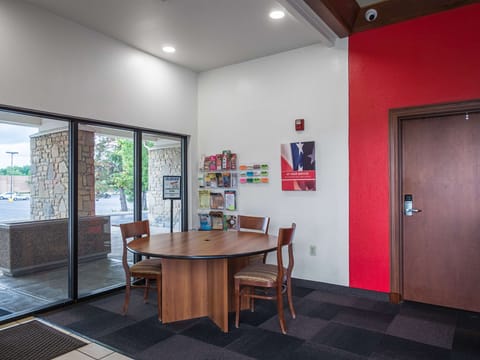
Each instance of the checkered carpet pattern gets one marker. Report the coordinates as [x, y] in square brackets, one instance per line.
[333, 322]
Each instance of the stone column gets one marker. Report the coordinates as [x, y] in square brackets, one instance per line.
[49, 174]
[162, 160]
[86, 173]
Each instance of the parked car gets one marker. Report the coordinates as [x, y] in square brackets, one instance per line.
[22, 197]
[14, 196]
[8, 195]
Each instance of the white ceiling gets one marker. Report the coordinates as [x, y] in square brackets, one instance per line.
[206, 33]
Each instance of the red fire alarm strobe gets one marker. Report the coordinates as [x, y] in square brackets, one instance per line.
[299, 124]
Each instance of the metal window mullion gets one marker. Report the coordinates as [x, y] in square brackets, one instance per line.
[73, 211]
[137, 180]
[184, 184]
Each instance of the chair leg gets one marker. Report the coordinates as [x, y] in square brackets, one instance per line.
[127, 298]
[237, 302]
[251, 291]
[281, 316]
[159, 297]
[145, 292]
[289, 297]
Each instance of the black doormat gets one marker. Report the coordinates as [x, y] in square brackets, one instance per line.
[36, 341]
[4, 312]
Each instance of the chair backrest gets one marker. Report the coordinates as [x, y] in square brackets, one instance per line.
[285, 238]
[253, 223]
[135, 230]
[132, 231]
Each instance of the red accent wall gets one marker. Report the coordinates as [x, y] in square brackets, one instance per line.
[428, 60]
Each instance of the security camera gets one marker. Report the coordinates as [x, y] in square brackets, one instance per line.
[371, 15]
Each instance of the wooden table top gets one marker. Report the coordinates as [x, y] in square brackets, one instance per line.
[203, 244]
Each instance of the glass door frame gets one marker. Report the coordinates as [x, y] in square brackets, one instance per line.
[73, 129]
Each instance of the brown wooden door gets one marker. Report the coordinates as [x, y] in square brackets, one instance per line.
[441, 245]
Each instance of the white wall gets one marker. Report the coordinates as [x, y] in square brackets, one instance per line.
[51, 64]
[250, 109]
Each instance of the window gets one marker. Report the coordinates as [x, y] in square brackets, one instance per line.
[37, 206]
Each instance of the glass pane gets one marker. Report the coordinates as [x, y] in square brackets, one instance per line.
[105, 194]
[34, 184]
[161, 156]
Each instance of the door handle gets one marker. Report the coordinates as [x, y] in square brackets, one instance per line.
[408, 209]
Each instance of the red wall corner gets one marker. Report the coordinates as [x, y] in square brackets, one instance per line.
[432, 59]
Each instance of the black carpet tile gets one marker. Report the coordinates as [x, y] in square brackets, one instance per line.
[401, 349]
[429, 312]
[206, 331]
[264, 310]
[264, 344]
[314, 351]
[302, 327]
[186, 348]
[134, 338]
[137, 309]
[99, 322]
[330, 324]
[367, 319]
[468, 320]
[316, 309]
[467, 342]
[425, 331]
[352, 339]
[301, 292]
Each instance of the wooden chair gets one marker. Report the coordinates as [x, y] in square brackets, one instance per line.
[257, 224]
[267, 276]
[147, 269]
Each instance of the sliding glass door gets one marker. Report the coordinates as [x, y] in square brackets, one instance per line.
[105, 200]
[65, 187]
[34, 207]
[161, 160]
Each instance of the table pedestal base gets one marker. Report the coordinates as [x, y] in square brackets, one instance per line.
[197, 288]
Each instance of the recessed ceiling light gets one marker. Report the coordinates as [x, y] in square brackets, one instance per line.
[277, 14]
[169, 49]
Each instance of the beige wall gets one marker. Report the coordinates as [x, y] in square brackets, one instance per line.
[20, 183]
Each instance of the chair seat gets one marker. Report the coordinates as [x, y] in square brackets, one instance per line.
[147, 266]
[268, 277]
[258, 273]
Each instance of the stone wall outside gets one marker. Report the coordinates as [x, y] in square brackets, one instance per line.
[162, 161]
[86, 173]
[49, 175]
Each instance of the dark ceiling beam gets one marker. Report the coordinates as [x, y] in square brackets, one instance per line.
[394, 11]
[340, 16]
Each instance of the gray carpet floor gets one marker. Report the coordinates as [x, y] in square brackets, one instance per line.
[332, 323]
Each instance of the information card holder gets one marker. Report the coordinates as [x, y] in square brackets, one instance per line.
[171, 191]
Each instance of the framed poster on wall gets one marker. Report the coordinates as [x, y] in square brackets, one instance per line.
[298, 166]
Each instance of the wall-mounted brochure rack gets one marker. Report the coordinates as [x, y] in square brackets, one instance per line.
[254, 174]
[218, 191]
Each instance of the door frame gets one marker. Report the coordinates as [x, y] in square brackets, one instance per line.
[396, 116]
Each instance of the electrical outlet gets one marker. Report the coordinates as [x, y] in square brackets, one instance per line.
[313, 250]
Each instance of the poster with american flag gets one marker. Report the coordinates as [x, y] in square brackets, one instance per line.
[298, 166]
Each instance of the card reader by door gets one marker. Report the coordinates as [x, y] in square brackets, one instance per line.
[408, 205]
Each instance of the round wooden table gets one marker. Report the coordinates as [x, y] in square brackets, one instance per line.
[198, 268]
